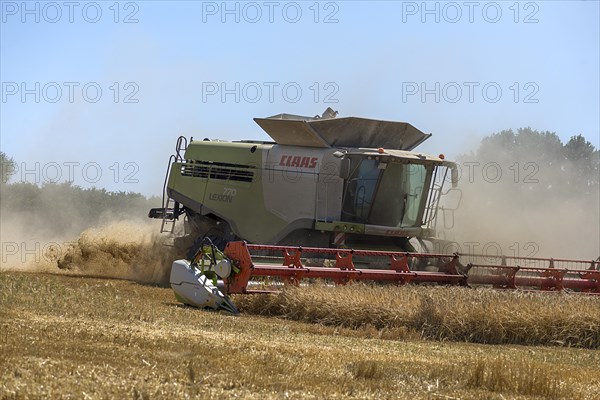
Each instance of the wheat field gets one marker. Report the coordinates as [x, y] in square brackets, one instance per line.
[81, 337]
[441, 313]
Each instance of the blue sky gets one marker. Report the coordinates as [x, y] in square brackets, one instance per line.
[458, 70]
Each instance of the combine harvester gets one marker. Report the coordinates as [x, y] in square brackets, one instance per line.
[340, 199]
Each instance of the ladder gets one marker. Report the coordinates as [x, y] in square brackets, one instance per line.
[168, 220]
[170, 207]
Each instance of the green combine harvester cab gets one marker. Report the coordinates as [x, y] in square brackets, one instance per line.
[322, 182]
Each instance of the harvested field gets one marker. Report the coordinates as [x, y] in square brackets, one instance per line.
[95, 338]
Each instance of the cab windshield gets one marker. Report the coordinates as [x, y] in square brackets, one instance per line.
[388, 194]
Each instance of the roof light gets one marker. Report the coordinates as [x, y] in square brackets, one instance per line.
[442, 156]
[380, 150]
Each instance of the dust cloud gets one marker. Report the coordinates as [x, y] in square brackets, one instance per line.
[68, 230]
[525, 195]
[124, 249]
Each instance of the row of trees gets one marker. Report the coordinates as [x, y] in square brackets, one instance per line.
[576, 162]
[7, 167]
[63, 208]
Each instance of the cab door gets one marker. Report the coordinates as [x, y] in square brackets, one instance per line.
[360, 190]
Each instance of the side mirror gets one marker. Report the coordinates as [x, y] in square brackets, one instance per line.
[345, 168]
[454, 176]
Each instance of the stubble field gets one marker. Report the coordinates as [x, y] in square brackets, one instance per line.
[81, 337]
